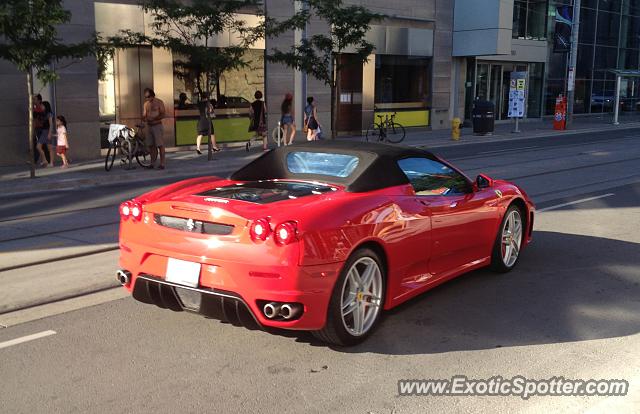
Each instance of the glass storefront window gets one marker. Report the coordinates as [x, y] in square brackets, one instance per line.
[610, 5]
[631, 7]
[233, 91]
[630, 32]
[582, 96]
[530, 19]
[608, 29]
[402, 79]
[534, 99]
[584, 62]
[107, 94]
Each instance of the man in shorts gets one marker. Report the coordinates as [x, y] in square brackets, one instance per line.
[153, 113]
[43, 125]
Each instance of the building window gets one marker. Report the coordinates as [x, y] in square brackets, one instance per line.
[107, 94]
[530, 19]
[402, 79]
[233, 92]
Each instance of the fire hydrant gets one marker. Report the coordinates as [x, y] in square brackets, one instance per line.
[455, 129]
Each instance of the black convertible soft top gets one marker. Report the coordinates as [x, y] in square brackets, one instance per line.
[377, 167]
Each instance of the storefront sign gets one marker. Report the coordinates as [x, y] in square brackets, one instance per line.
[517, 94]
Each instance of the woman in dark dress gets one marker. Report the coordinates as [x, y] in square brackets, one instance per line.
[205, 125]
[258, 116]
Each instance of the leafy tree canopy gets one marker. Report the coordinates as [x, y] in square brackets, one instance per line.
[29, 39]
[188, 30]
[316, 55]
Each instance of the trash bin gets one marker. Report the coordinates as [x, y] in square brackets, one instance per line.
[483, 117]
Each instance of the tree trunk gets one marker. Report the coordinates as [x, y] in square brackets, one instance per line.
[32, 160]
[209, 143]
[335, 95]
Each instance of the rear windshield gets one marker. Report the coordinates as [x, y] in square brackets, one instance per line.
[264, 192]
[321, 163]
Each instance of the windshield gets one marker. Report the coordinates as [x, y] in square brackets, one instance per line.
[321, 163]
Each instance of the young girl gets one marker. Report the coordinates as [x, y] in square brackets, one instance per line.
[63, 142]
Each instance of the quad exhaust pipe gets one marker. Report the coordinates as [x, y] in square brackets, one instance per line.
[271, 310]
[290, 310]
[123, 276]
[286, 311]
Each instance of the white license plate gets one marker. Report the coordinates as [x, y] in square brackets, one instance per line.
[182, 272]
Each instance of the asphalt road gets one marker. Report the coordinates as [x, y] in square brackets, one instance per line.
[570, 309]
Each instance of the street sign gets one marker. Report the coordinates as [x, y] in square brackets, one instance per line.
[517, 94]
[571, 81]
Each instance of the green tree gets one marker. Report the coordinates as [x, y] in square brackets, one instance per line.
[29, 40]
[188, 30]
[320, 54]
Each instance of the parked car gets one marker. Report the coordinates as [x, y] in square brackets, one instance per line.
[320, 236]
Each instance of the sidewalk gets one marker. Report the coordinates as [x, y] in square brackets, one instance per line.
[183, 163]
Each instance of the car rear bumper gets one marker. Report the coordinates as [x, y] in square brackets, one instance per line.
[232, 291]
[213, 303]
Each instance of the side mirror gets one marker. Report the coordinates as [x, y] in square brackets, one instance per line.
[483, 181]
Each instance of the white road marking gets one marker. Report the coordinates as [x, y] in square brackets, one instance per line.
[27, 338]
[506, 150]
[584, 200]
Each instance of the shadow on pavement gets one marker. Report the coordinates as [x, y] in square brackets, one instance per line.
[565, 288]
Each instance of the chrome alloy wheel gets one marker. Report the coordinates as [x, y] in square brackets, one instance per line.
[511, 238]
[361, 296]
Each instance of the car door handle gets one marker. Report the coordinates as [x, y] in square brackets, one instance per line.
[453, 204]
[424, 203]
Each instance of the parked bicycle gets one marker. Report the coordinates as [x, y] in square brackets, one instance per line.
[385, 130]
[130, 144]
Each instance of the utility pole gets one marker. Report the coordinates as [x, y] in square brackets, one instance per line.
[573, 59]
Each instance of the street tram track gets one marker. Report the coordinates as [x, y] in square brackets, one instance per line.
[61, 258]
[115, 246]
[516, 151]
[54, 233]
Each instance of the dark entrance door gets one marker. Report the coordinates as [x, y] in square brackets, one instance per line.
[350, 95]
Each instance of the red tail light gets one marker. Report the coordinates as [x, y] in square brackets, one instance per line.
[136, 210]
[125, 210]
[285, 233]
[260, 230]
[131, 209]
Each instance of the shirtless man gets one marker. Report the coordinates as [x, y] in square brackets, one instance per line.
[152, 114]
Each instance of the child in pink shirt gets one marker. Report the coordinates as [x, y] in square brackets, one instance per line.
[63, 141]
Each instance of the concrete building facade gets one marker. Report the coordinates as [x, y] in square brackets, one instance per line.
[432, 59]
[409, 73]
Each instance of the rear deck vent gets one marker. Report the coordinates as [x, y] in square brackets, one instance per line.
[193, 226]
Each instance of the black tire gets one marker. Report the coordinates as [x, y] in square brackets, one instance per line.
[497, 262]
[111, 155]
[373, 134]
[334, 331]
[143, 156]
[395, 133]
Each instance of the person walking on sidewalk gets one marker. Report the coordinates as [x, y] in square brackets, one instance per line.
[43, 119]
[287, 119]
[153, 113]
[258, 117]
[63, 140]
[311, 124]
[206, 109]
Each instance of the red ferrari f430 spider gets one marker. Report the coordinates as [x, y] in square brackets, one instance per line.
[320, 236]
